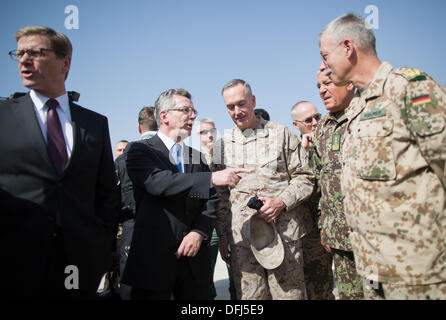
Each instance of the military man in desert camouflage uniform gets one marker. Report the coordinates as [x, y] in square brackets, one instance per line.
[393, 177]
[327, 168]
[281, 178]
[317, 261]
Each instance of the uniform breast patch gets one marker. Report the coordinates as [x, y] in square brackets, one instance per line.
[375, 113]
[336, 142]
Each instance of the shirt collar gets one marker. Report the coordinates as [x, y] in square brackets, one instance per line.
[40, 100]
[147, 135]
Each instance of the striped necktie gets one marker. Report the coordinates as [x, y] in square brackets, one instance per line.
[57, 149]
[176, 155]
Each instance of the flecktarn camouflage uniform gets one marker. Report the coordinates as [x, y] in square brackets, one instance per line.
[327, 168]
[279, 168]
[393, 180]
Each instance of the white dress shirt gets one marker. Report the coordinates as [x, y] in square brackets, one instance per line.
[64, 116]
[169, 144]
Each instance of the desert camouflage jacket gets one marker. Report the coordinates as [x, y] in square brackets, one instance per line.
[393, 178]
[279, 168]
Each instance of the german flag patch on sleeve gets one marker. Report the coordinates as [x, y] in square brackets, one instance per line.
[421, 100]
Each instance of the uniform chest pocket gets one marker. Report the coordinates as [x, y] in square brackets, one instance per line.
[429, 130]
[374, 152]
[273, 162]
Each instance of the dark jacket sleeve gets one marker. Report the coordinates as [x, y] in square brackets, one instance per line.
[150, 170]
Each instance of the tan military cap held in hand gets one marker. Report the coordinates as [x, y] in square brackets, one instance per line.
[266, 244]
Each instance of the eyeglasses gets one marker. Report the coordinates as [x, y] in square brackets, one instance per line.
[186, 110]
[32, 53]
[208, 131]
[309, 120]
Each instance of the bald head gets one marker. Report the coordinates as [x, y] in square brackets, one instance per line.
[305, 116]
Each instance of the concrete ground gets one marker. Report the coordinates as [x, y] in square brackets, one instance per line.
[221, 281]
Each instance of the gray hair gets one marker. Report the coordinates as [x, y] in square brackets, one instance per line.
[206, 120]
[235, 82]
[165, 101]
[351, 26]
[294, 113]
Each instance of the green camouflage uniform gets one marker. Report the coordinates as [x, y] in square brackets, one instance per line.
[279, 169]
[393, 179]
[327, 169]
[317, 261]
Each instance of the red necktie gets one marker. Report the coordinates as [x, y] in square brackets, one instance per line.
[57, 148]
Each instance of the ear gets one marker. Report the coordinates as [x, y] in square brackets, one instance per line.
[66, 64]
[254, 100]
[163, 117]
[350, 87]
[139, 129]
[349, 47]
[295, 125]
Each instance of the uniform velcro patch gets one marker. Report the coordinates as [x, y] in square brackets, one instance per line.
[375, 113]
[421, 100]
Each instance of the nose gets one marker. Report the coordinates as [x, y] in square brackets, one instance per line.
[314, 122]
[24, 58]
[322, 66]
[237, 110]
[322, 90]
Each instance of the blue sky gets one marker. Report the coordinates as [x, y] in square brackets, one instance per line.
[127, 52]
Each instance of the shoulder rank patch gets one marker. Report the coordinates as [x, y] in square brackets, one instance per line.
[421, 100]
[414, 74]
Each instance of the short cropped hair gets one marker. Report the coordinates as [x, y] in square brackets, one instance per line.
[294, 108]
[146, 119]
[351, 26]
[165, 101]
[206, 120]
[59, 42]
[235, 82]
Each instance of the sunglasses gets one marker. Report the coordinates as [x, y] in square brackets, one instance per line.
[309, 120]
[208, 131]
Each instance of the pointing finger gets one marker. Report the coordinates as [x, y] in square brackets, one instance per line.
[242, 170]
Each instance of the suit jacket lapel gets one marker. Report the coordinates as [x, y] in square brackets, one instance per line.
[23, 108]
[158, 144]
[80, 127]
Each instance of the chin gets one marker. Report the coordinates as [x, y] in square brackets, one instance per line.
[29, 84]
[242, 124]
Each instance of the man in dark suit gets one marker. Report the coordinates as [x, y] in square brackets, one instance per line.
[175, 207]
[58, 193]
[147, 128]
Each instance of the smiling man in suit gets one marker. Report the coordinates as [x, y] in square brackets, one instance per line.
[58, 196]
[175, 207]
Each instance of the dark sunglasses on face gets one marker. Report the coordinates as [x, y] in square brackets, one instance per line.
[208, 131]
[309, 120]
